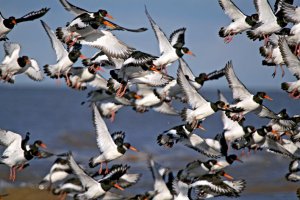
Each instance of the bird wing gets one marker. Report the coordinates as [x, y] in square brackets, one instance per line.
[219, 188]
[264, 112]
[8, 137]
[12, 50]
[164, 44]
[186, 69]
[291, 13]
[34, 72]
[99, 82]
[195, 100]
[56, 44]
[166, 108]
[85, 180]
[71, 8]
[231, 9]
[265, 12]
[108, 43]
[177, 37]
[33, 15]
[227, 122]
[274, 147]
[292, 62]
[104, 139]
[239, 91]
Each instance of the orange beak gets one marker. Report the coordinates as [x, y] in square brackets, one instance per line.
[267, 97]
[133, 149]
[237, 159]
[28, 61]
[201, 127]
[118, 187]
[14, 22]
[137, 96]
[287, 133]
[109, 16]
[190, 53]
[43, 146]
[82, 57]
[228, 176]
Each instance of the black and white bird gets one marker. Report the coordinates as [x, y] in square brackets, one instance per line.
[79, 77]
[59, 171]
[64, 59]
[240, 21]
[216, 186]
[92, 188]
[111, 146]
[170, 49]
[245, 101]
[201, 108]
[294, 171]
[17, 152]
[293, 64]
[268, 21]
[13, 64]
[7, 24]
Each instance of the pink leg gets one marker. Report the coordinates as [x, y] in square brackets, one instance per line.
[266, 39]
[113, 115]
[100, 170]
[282, 71]
[106, 168]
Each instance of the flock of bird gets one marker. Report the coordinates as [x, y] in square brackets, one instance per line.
[140, 80]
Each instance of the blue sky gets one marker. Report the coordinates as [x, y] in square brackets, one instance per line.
[202, 18]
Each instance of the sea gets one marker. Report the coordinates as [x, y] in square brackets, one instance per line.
[56, 116]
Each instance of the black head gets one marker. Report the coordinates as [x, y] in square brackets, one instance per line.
[221, 105]
[255, 17]
[285, 86]
[74, 55]
[127, 146]
[92, 69]
[39, 143]
[263, 95]
[10, 22]
[231, 158]
[104, 13]
[23, 61]
[185, 50]
[201, 78]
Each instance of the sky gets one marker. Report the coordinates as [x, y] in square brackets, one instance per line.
[202, 18]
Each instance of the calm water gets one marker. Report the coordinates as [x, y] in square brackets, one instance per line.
[56, 117]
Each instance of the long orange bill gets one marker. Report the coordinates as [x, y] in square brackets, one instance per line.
[267, 97]
[82, 57]
[14, 22]
[137, 96]
[133, 149]
[43, 146]
[118, 187]
[190, 53]
[201, 127]
[107, 23]
[109, 16]
[237, 159]
[228, 176]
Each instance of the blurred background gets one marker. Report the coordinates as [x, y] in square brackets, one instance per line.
[55, 114]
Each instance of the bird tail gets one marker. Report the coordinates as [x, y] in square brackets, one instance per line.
[50, 71]
[61, 33]
[186, 115]
[251, 35]
[222, 32]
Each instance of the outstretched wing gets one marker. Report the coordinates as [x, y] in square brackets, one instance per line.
[177, 38]
[292, 62]
[8, 137]
[265, 12]
[56, 44]
[34, 72]
[195, 100]
[85, 180]
[71, 8]
[164, 44]
[239, 91]
[104, 139]
[33, 15]
[231, 10]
